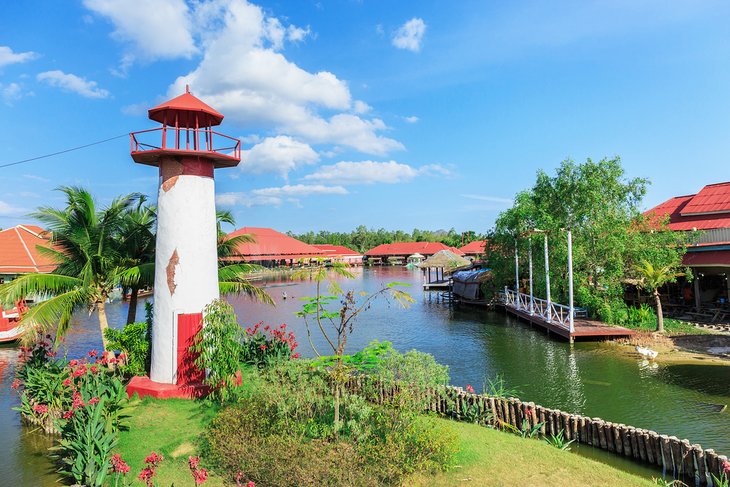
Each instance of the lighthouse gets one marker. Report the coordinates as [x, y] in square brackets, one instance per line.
[187, 151]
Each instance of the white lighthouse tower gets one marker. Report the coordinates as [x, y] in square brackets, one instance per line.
[186, 150]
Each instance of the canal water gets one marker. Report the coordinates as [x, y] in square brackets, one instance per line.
[589, 378]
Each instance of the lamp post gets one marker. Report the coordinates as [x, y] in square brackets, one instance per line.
[517, 278]
[547, 274]
[529, 257]
[570, 282]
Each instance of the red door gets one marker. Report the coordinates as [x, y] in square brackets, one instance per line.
[188, 325]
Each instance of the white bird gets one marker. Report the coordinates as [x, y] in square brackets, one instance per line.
[647, 352]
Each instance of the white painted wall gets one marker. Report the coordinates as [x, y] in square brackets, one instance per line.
[186, 223]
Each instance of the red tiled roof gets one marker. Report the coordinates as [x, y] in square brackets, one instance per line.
[337, 250]
[410, 248]
[185, 107]
[18, 252]
[272, 245]
[707, 258]
[684, 211]
[712, 199]
[476, 247]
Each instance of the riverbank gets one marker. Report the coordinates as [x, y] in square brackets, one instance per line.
[485, 457]
[705, 348]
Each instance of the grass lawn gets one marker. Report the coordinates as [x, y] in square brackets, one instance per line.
[486, 457]
[493, 458]
[170, 427]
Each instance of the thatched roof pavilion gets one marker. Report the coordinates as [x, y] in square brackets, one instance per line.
[444, 259]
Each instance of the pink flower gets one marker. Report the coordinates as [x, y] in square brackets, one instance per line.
[119, 465]
[79, 371]
[68, 382]
[93, 400]
[469, 388]
[68, 414]
[726, 468]
[94, 369]
[146, 475]
[93, 353]
[73, 363]
[16, 383]
[77, 400]
[262, 347]
[295, 355]
[40, 408]
[154, 459]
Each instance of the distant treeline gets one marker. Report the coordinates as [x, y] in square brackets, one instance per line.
[363, 239]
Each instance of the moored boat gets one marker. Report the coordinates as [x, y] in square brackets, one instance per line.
[10, 329]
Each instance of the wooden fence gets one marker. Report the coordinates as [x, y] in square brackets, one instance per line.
[688, 462]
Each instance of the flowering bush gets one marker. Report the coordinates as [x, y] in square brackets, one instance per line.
[264, 345]
[81, 400]
[135, 342]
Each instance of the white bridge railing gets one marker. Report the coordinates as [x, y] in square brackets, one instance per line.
[553, 313]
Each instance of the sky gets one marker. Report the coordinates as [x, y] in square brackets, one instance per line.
[406, 114]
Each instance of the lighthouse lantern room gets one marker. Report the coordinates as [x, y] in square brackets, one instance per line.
[187, 150]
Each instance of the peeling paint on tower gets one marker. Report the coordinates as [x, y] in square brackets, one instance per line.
[171, 264]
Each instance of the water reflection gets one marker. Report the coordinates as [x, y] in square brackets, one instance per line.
[476, 344]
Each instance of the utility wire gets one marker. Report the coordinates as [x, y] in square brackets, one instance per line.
[63, 151]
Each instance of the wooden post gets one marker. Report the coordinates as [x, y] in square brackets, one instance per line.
[618, 443]
[625, 440]
[676, 448]
[699, 460]
[667, 459]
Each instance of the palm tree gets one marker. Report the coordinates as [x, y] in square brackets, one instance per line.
[137, 239]
[652, 278]
[86, 245]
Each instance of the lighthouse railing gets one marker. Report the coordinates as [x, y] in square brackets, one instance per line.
[184, 139]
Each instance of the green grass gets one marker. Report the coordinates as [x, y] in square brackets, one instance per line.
[486, 457]
[671, 327]
[171, 427]
[493, 458]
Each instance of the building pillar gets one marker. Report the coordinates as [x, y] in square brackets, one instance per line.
[698, 300]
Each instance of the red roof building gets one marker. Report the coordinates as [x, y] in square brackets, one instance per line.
[339, 253]
[270, 245]
[19, 253]
[404, 249]
[708, 214]
[475, 248]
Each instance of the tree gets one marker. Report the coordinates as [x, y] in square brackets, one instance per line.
[652, 278]
[86, 245]
[137, 241]
[601, 206]
[341, 320]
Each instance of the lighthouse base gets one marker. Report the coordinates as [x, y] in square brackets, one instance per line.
[144, 387]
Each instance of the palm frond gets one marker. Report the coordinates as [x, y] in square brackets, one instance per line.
[245, 288]
[55, 312]
[37, 284]
[237, 271]
[140, 275]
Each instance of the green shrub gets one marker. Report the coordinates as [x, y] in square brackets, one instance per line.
[264, 346]
[135, 341]
[281, 432]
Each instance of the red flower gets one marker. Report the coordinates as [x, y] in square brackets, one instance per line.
[200, 476]
[79, 371]
[283, 326]
[73, 363]
[154, 459]
[78, 401]
[295, 355]
[119, 465]
[93, 353]
[146, 475]
[250, 484]
[68, 414]
[266, 328]
[16, 383]
[726, 467]
[469, 388]
[263, 347]
[67, 382]
[40, 408]
[122, 357]
[94, 369]
[93, 400]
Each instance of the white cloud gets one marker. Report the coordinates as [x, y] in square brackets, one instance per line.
[276, 196]
[11, 92]
[7, 56]
[410, 35]
[411, 119]
[279, 154]
[489, 199]
[6, 209]
[361, 107]
[297, 34]
[369, 172]
[156, 30]
[71, 82]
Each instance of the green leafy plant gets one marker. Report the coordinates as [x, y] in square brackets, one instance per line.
[497, 387]
[559, 441]
[135, 341]
[218, 348]
[264, 345]
[671, 483]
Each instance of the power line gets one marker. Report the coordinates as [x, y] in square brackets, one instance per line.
[63, 151]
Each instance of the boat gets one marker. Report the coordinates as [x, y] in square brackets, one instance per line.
[10, 329]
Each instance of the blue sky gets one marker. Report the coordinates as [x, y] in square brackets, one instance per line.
[424, 114]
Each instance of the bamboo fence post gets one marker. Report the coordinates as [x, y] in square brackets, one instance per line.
[618, 441]
[676, 455]
[688, 464]
[699, 461]
[667, 453]
[711, 462]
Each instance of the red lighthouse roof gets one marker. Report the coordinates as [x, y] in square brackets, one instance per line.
[183, 110]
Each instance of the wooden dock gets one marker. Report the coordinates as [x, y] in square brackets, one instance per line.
[559, 323]
[440, 285]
